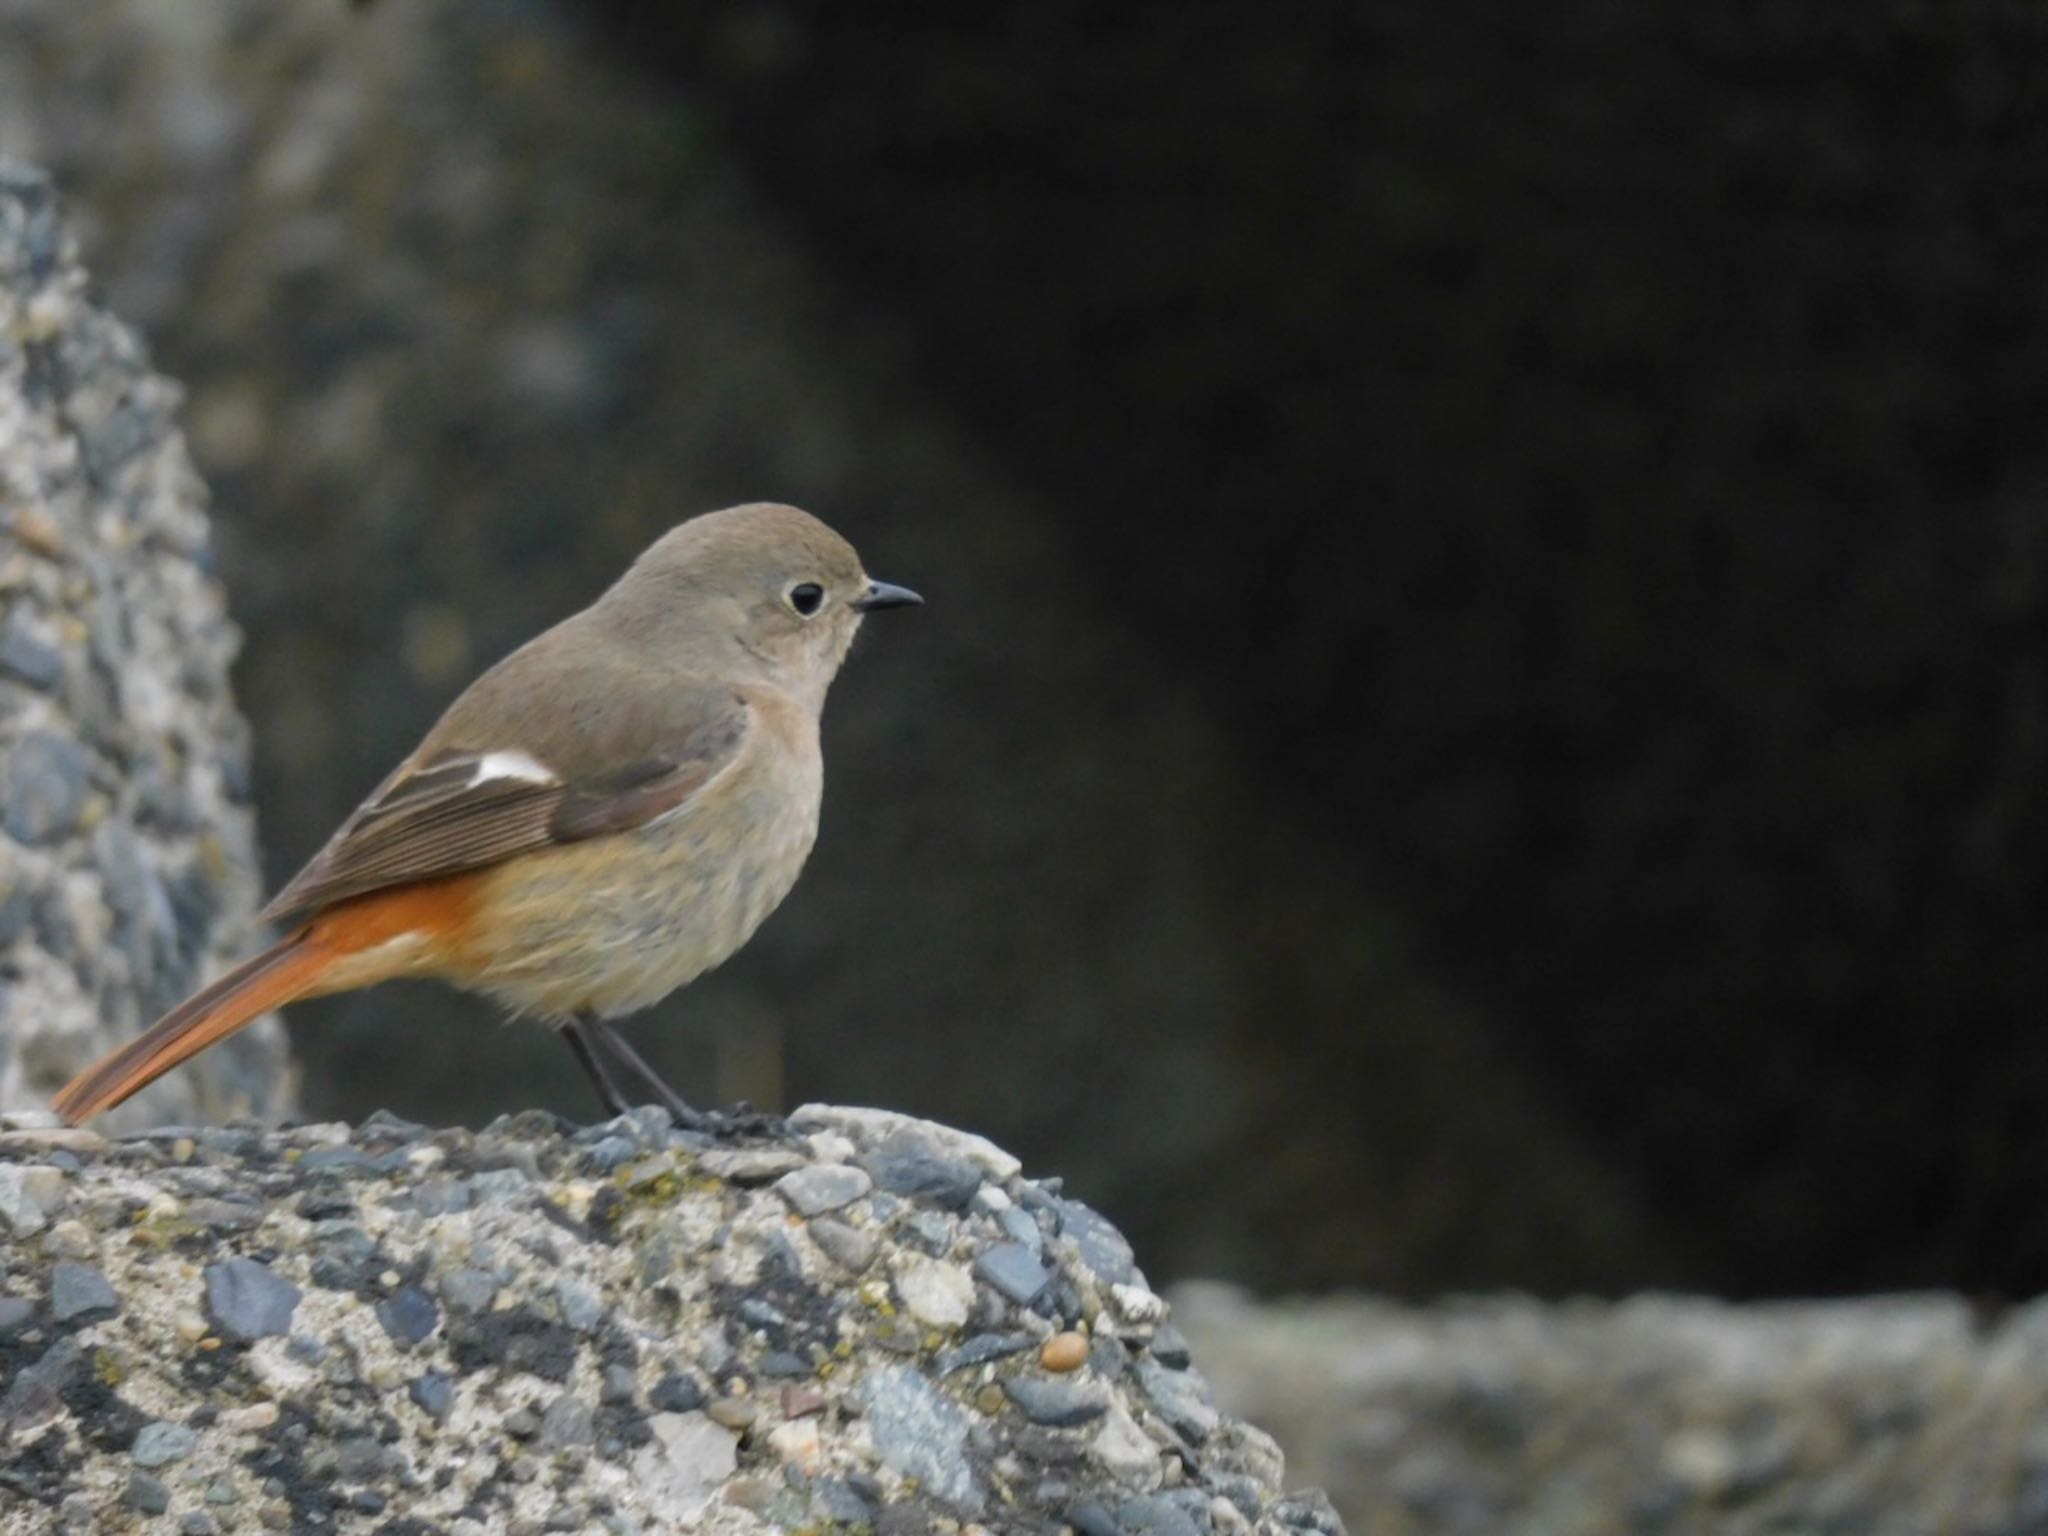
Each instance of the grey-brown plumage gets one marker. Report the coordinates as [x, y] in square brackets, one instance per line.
[601, 817]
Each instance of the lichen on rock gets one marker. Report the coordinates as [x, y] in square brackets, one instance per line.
[621, 1328]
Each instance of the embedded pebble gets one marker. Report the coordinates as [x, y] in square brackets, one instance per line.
[935, 1292]
[848, 1247]
[161, 1443]
[817, 1188]
[1014, 1270]
[408, 1315]
[1062, 1403]
[909, 1164]
[80, 1293]
[247, 1301]
[1064, 1352]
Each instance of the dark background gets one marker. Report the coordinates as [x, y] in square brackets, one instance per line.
[1482, 713]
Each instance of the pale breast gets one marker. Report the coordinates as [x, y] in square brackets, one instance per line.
[615, 924]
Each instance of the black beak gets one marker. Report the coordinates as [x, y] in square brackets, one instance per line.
[882, 594]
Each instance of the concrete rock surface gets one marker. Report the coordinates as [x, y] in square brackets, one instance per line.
[619, 1329]
[1885, 1416]
[127, 855]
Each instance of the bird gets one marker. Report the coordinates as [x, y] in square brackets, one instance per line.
[601, 817]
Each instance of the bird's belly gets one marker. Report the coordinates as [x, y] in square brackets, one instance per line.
[616, 924]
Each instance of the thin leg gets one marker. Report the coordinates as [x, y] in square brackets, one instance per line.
[575, 1032]
[689, 1119]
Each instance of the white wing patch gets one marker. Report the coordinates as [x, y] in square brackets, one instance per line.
[519, 766]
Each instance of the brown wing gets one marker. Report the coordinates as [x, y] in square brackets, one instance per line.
[465, 809]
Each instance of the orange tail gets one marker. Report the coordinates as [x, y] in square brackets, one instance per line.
[286, 971]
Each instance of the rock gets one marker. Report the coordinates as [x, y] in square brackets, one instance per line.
[80, 1294]
[676, 1393]
[922, 1433]
[911, 1164]
[1101, 1246]
[937, 1293]
[686, 1463]
[148, 1493]
[127, 860]
[1064, 1352]
[247, 1301]
[408, 1315]
[850, 1248]
[161, 1443]
[1014, 1270]
[817, 1188]
[434, 1393]
[385, 1370]
[29, 1195]
[1061, 1401]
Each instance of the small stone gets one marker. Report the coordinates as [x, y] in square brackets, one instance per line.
[848, 1247]
[581, 1306]
[433, 1393]
[1170, 1348]
[1181, 1398]
[44, 788]
[1137, 1305]
[198, 1523]
[566, 1423]
[684, 1466]
[1125, 1451]
[814, 1190]
[750, 1165]
[408, 1315]
[921, 1433]
[618, 1384]
[79, 1294]
[27, 656]
[16, 1313]
[1064, 1352]
[253, 1419]
[468, 1290]
[522, 1423]
[247, 1301]
[161, 1443]
[1021, 1227]
[676, 1393]
[981, 1349]
[798, 1444]
[1060, 1404]
[801, 1402]
[907, 1163]
[30, 1194]
[732, 1412]
[1101, 1247]
[938, 1294]
[1015, 1271]
[1158, 1515]
[930, 1230]
[148, 1493]
[838, 1502]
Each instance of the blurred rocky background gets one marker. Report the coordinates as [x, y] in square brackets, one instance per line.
[1481, 714]
[127, 850]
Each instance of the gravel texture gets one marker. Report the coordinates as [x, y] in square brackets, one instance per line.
[1672, 1416]
[623, 1328]
[127, 859]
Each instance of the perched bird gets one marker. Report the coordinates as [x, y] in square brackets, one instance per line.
[600, 818]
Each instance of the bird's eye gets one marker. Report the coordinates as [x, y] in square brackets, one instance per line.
[807, 597]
